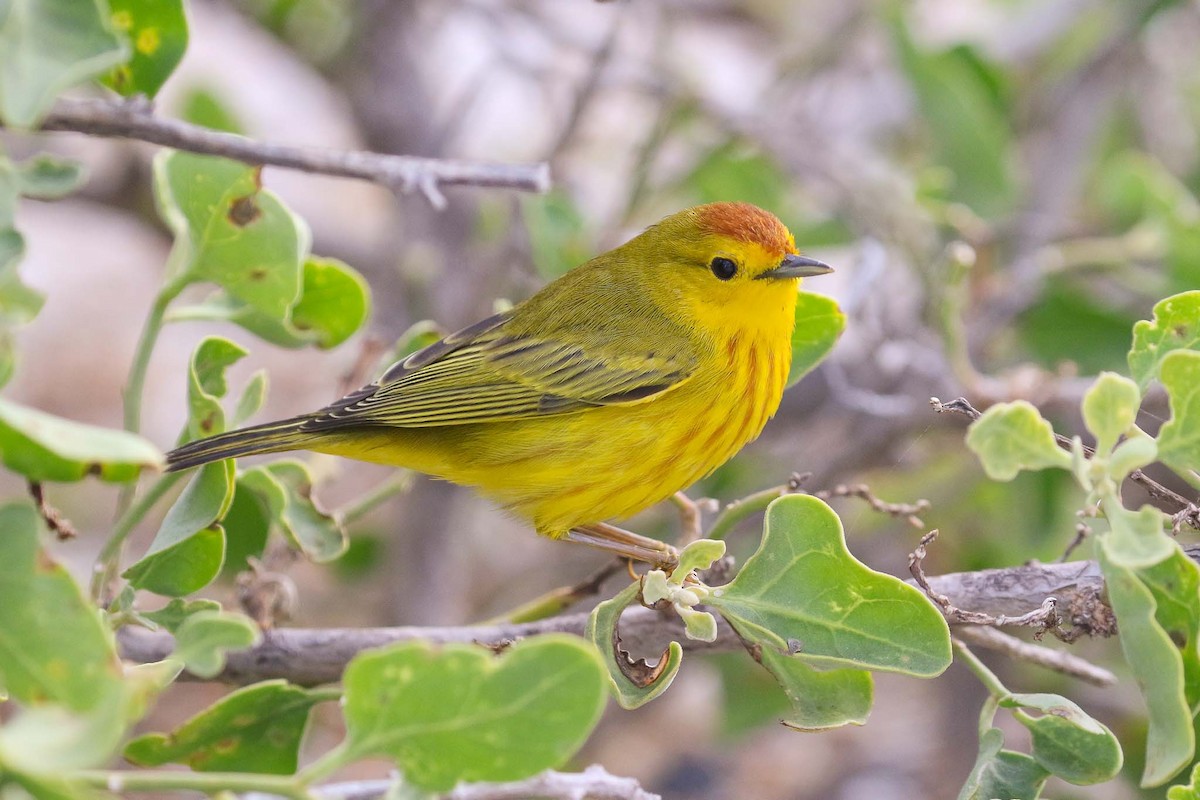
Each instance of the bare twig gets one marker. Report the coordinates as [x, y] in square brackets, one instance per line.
[906, 511]
[54, 519]
[134, 120]
[266, 596]
[556, 601]
[1044, 618]
[738, 510]
[1082, 531]
[594, 783]
[1057, 660]
[691, 515]
[1185, 512]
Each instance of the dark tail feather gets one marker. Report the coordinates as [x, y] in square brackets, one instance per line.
[272, 437]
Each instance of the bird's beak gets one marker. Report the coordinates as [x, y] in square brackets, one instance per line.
[794, 266]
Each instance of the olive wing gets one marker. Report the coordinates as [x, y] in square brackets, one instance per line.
[483, 374]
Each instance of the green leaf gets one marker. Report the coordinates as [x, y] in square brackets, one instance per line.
[247, 526]
[1179, 437]
[1136, 538]
[1189, 792]
[49, 177]
[57, 657]
[1176, 326]
[632, 685]
[43, 447]
[819, 323]
[203, 107]
[333, 305]
[230, 231]
[960, 102]
[174, 613]
[1000, 773]
[157, 30]
[49, 739]
[53, 646]
[47, 46]
[207, 385]
[459, 713]
[697, 555]
[1132, 454]
[804, 593]
[287, 487]
[820, 699]
[1175, 585]
[1110, 408]
[189, 548]
[252, 397]
[1011, 437]
[1066, 741]
[1156, 664]
[256, 729]
[334, 302]
[204, 637]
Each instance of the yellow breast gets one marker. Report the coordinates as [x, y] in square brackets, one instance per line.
[611, 463]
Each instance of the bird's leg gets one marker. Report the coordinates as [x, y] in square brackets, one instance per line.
[625, 544]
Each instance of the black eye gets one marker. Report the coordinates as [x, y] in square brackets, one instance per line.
[723, 268]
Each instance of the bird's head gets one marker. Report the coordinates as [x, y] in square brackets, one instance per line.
[729, 263]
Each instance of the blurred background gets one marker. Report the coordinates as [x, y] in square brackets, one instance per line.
[1004, 186]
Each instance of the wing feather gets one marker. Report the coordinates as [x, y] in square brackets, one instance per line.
[483, 374]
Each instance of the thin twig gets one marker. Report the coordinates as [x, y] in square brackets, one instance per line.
[691, 515]
[1082, 531]
[1045, 618]
[54, 519]
[1057, 660]
[738, 510]
[265, 595]
[594, 783]
[1185, 512]
[556, 601]
[135, 120]
[907, 511]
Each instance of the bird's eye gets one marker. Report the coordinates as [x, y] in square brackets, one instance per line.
[723, 268]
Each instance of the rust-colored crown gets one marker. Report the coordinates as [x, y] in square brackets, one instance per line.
[747, 223]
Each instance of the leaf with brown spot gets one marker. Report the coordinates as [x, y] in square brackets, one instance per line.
[157, 31]
[254, 729]
[242, 212]
[232, 232]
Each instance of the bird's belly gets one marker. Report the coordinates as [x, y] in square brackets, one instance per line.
[603, 463]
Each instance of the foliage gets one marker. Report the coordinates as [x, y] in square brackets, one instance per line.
[812, 615]
[1153, 586]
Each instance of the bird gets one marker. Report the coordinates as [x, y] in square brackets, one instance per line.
[623, 381]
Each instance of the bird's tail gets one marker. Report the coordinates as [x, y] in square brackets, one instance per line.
[272, 437]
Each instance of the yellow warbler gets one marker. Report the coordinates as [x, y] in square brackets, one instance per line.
[625, 380]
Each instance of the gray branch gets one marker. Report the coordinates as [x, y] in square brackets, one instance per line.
[135, 120]
[594, 783]
[316, 656]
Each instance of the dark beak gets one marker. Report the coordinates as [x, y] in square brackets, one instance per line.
[798, 267]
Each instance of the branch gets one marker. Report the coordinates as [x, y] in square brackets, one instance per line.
[135, 120]
[1183, 510]
[594, 783]
[1057, 660]
[315, 656]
